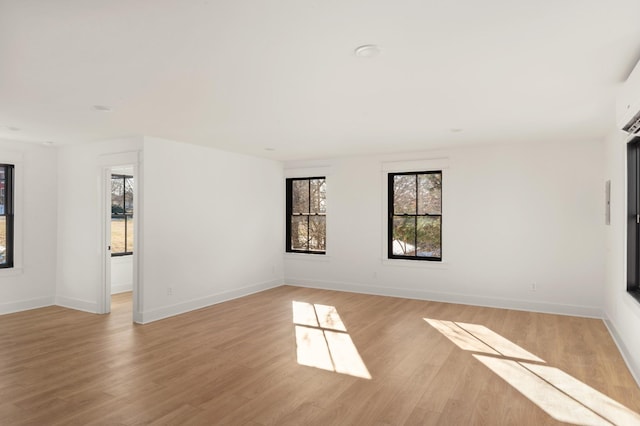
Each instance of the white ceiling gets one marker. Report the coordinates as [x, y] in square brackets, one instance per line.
[245, 75]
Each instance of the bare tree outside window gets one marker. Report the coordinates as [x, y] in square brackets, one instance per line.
[415, 215]
[306, 215]
[121, 215]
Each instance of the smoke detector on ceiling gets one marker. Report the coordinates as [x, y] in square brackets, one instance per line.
[367, 51]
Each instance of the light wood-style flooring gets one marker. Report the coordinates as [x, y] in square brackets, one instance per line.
[237, 363]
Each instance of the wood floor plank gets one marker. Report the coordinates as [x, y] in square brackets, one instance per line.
[236, 363]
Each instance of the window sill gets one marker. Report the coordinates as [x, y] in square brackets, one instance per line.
[307, 257]
[11, 272]
[409, 263]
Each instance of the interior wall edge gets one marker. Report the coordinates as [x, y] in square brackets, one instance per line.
[462, 299]
[77, 304]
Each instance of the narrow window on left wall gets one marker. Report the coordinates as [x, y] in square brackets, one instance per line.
[6, 215]
[306, 215]
[121, 215]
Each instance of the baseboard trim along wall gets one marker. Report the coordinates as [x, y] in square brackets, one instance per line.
[628, 357]
[77, 304]
[121, 288]
[463, 299]
[191, 305]
[25, 305]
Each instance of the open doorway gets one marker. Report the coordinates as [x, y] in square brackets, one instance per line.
[122, 237]
[121, 195]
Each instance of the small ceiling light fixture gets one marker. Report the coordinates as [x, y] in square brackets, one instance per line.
[367, 51]
[102, 108]
[269, 149]
[13, 129]
[455, 130]
[47, 143]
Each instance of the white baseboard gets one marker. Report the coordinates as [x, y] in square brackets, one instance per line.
[191, 305]
[629, 358]
[25, 305]
[463, 299]
[77, 304]
[121, 288]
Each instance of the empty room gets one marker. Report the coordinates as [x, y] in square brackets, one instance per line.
[319, 212]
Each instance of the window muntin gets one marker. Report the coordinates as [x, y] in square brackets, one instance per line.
[6, 215]
[121, 215]
[415, 215]
[306, 215]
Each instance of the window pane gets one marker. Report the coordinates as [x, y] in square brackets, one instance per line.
[430, 193]
[117, 192]
[404, 194]
[3, 190]
[299, 232]
[130, 234]
[317, 232]
[404, 233]
[117, 235]
[429, 237]
[300, 196]
[128, 195]
[6, 220]
[318, 195]
[3, 240]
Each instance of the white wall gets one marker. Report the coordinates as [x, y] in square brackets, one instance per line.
[80, 220]
[31, 283]
[622, 311]
[212, 226]
[121, 274]
[213, 229]
[513, 215]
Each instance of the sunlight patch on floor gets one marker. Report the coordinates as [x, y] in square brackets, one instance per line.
[613, 411]
[504, 347]
[322, 340]
[460, 337]
[557, 404]
[560, 395]
[312, 348]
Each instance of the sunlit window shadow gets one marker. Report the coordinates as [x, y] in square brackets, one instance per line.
[323, 342]
[586, 395]
[560, 395]
[504, 347]
[460, 337]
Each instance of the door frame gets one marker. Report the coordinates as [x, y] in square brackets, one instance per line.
[106, 163]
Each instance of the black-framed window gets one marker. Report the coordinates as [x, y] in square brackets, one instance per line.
[633, 217]
[306, 210]
[121, 215]
[415, 215]
[6, 215]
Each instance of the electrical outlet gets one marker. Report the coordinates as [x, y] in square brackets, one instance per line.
[534, 287]
[169, 291]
